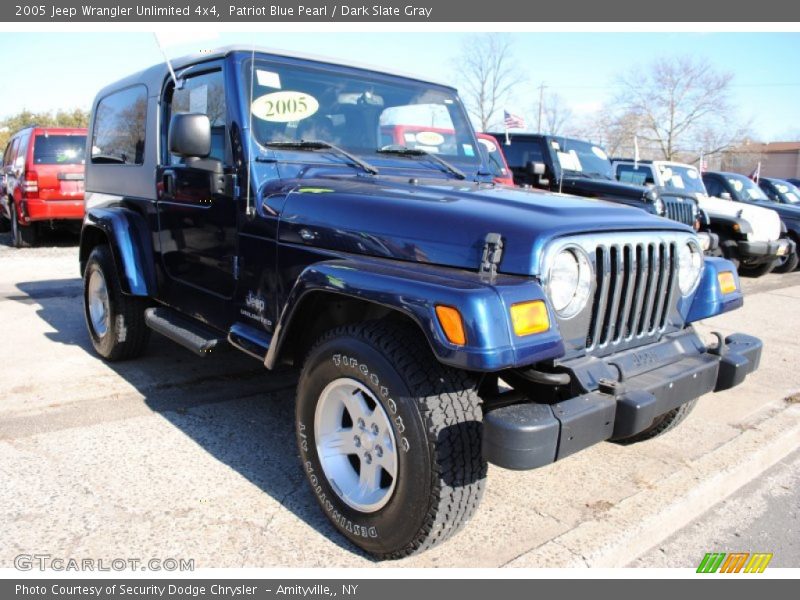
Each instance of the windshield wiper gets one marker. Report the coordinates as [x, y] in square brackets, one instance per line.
[320, 145]
[403, 151]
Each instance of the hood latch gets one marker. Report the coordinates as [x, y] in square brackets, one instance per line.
[492, 254]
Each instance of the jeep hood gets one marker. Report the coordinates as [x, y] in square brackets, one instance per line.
[765, 222]
[444, 222]
[602, 188]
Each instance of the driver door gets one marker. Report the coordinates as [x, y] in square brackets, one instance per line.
[196, 210]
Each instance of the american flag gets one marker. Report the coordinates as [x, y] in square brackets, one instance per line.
[513, 121]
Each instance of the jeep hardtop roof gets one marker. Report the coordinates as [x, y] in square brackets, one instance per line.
[153, 77]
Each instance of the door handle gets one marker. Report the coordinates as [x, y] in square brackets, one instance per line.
[168, 182]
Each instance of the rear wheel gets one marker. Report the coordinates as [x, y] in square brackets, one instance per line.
[662, 424]
[389, 438]
[23, 236]
[115, 321]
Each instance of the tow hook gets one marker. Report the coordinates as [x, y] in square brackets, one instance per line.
[720, 349]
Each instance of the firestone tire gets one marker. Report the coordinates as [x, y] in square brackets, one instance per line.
[22, 237]
[662, 424]
[115, 321]
[434, 419]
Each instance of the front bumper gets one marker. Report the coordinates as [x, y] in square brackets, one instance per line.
[649, 382]
[761, 252]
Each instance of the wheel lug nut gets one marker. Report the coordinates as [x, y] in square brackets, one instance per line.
[357, 441]
[378, 451]
[361, 424]
[374, 429]
[368, 458]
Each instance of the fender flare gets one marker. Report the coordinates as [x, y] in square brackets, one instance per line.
[414, 291]
[728, 221]
[129, 237]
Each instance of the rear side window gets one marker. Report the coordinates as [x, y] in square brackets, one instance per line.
[119, 127]
[59, 149]
[11, 150]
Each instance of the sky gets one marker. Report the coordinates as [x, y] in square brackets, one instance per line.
[65, 70]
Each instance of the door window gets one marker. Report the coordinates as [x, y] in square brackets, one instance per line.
[204, 94]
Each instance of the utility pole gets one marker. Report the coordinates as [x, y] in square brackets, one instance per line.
[541, 106]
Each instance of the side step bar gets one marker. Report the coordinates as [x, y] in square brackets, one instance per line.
[250, 340]
[188, 333]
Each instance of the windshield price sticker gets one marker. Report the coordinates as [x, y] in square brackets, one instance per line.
[284, 107]
[430, 138]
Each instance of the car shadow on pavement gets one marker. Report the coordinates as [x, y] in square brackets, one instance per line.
[228, 404]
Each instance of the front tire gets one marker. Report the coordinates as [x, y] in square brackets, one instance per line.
[787, 264]
[377, 385]
[115, 321]
[758, 270]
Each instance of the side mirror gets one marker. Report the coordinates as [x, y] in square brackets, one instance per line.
[535, 168]
[190, 135]
[726, 196]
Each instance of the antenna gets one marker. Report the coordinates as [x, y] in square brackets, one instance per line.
[166, 60]
[248, 210]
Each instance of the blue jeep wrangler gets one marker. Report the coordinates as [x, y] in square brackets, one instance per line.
[438, 321]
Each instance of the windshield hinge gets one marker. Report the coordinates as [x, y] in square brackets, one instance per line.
[492, 254]
[236, 268]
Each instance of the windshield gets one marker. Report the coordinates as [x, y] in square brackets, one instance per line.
[582, 157]
[789, 192]
[746, 189]
[361, 114]
[682, 178]
[59, 149]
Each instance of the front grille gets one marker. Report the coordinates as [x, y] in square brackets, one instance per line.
[680, 211]
[634, 291]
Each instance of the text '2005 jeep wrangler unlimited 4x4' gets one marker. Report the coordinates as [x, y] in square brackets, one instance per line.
[439, 321]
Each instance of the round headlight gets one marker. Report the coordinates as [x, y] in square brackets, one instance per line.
[569, 282]
[690, 266]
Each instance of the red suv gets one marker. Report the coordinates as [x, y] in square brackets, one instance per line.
[41, 183]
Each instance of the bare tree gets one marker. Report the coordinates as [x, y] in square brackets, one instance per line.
[678, 104]
[557, 116]
[488, 73]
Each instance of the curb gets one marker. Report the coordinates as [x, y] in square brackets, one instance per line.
[640, 522]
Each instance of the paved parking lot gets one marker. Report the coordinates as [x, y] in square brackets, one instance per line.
[175, 456]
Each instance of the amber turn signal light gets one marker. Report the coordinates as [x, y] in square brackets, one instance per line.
[530, 317]
[727, 282]
[452, 324]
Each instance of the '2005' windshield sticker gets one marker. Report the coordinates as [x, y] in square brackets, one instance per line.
[284, 107]
[430, 138]
[691, 173]
[599, 153]
[737, 185]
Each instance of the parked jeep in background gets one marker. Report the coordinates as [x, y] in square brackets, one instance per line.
[767, 254]
[438, 322]
[42, 181]
[581, 168]
[749, 235]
